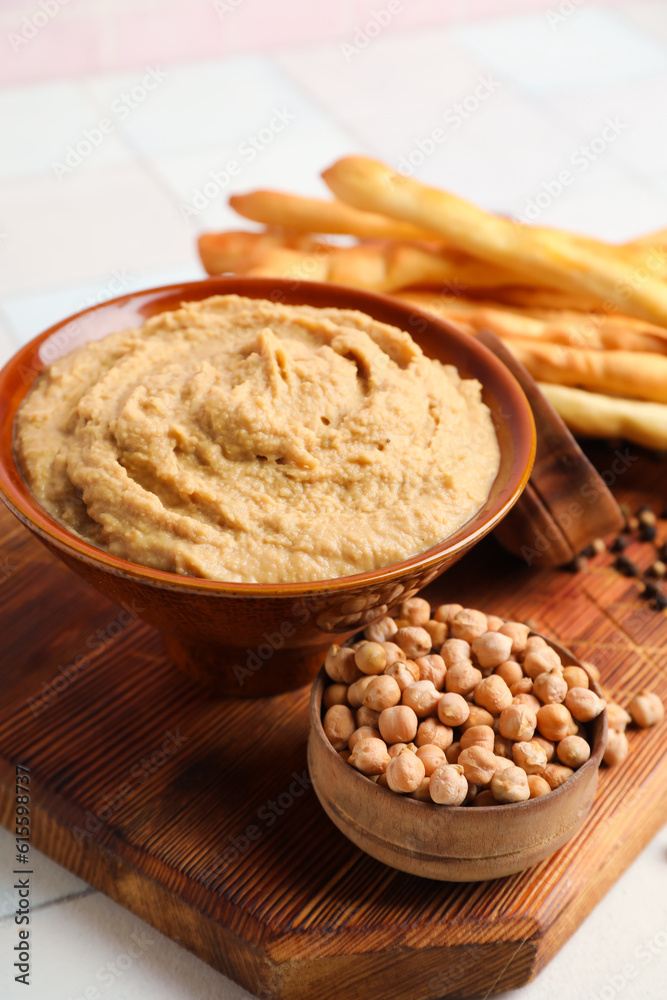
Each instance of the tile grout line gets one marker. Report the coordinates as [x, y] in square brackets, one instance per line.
[81, 894]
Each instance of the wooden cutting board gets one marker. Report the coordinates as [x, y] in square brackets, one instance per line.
[198, 814]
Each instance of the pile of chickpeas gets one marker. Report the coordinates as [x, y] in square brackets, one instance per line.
[493, 717]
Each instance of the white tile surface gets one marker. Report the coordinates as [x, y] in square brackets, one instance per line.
[202, 107]
[38, 124]
[636, 105]
[591, 46]
[85, 227]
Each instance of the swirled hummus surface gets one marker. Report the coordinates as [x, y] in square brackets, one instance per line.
[240, 440]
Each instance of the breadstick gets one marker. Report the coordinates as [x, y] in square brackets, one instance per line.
[628, 373]
[221, 252]
[316, 215]
[552, 258]
[608, 416]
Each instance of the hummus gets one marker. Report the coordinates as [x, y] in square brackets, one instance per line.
[239, 440]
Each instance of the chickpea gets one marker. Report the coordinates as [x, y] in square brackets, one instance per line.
[510, 671]
[550, 687]
[415, 610]
[396, 748]
[575, 677]
[382, 630]
[468, 624]
[398, 724]
[573, 751]
[583, 704]
[340, 664]
[556, 775]
[491, 649]
[455, 651]
[453, 709]
[534, 642]
[382, 692]
[646, 709]
[356, 691]
[370, 756]
[432, 731]
[405, 773]
[401, 674]
[523, 686]
[616, 749]
[338, 725]
[591, 670]
[494, 623]
[493, 694]
[365, 716]
[554, 721]
[453, 752]
[362, 733]
[462, 677]
[517, 722]
[485, 798]
[431, 757]
[479, 765]
[478, 736]
[529, 756]
[477, 716]
[371, 658]
[529, 700]
[518, 633]
[423, 697]
[510, 785]
[548, 746]
[335, 694]
[414, 641]
[438, 632]
[380, 779]
[432, 668]
[448, 785]
[393, 652]
[539, 661]
[617, 717]
[422, 794]
[538, 786]
[502, 747]
[446, 612]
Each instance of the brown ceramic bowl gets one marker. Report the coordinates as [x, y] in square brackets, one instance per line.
[260, 639]
[463, 844]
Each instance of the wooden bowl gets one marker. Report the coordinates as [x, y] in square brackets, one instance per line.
[260, 639]
[453, 844]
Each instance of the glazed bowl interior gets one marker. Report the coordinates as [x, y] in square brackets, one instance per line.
[202, 614]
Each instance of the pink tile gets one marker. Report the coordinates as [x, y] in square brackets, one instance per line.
[80, 40]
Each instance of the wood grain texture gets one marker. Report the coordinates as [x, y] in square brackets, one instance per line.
[197, 814]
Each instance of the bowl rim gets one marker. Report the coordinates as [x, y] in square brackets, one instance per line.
[594, 760]
[28, 510]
